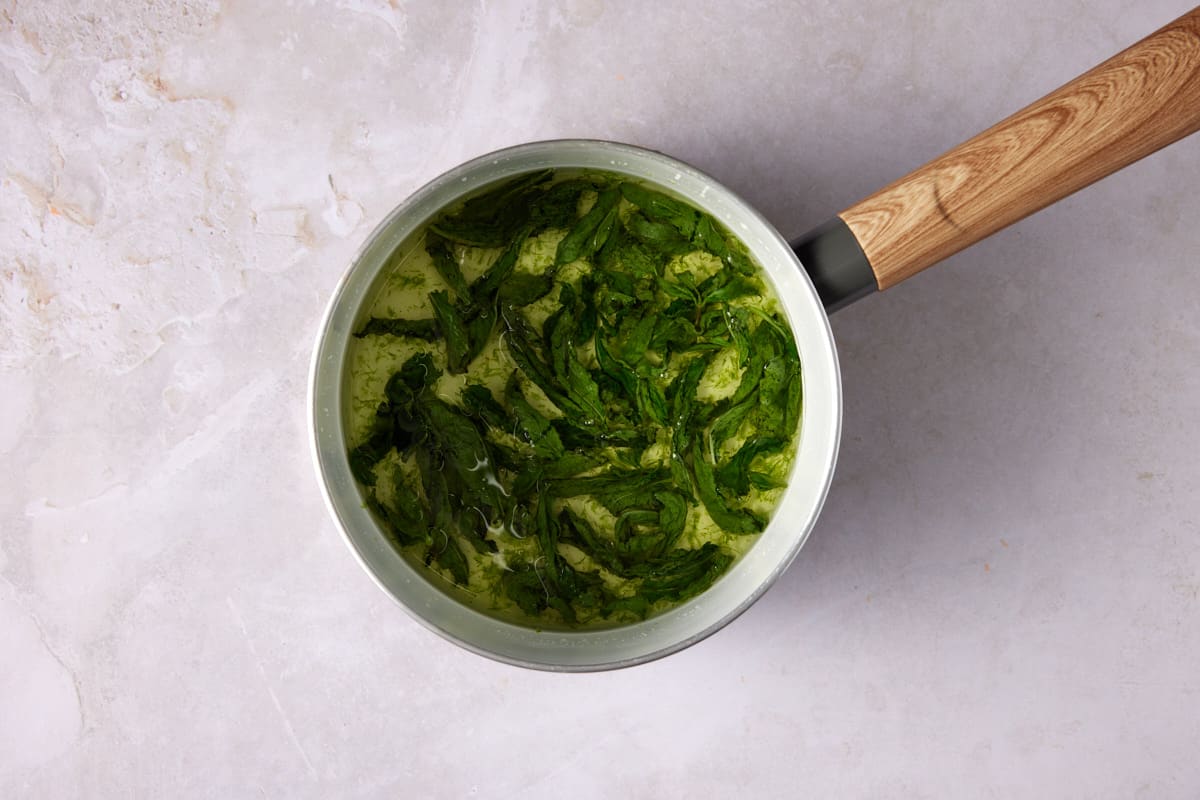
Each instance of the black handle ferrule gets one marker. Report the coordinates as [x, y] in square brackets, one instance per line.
[836, 263]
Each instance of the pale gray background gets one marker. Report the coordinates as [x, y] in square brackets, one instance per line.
[1002, 597]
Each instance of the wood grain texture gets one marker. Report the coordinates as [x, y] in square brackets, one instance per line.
[1137, 102]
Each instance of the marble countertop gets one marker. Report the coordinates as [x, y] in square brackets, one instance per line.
[1001, 599]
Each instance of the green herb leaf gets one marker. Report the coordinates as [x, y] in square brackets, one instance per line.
[504, 197]
[480, 404]
[658, 236]
[682, 396]
[618, 490]
[558, 207]
[632, 607]
[426, 329]
[574, 392]
[662, 209]
[735, 474]
[414, 376]
[364, 457]
[731, 290]
[651, 403]
[492, 218]
[728, 422]
[454, 330]
[731, 520]
[672, 519]
[681, 477]
[587, 314]
[576, 530]
[534, 428]
[466, 455]
[404, 517]
[445, 264]
[479, 331]
[708, 235]
[525, 588]
[487, 285]
[451, 558]
[521, 344]
[590, 232]
[685, 573]
[621, 374]
[522, 288]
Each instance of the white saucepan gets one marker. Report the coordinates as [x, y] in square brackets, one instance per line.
[1132, 105]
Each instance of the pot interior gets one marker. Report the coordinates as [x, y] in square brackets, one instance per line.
[746, 580]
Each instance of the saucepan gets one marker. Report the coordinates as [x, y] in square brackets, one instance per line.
[1139, 101]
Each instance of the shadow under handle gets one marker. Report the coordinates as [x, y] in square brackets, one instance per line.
[1137, 102]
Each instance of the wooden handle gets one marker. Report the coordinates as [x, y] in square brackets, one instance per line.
[1137, 102]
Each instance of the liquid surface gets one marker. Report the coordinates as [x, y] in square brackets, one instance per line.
[574, 400]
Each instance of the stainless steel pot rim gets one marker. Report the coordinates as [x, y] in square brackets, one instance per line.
[571, 651]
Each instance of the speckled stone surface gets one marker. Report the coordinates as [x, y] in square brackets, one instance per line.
[1002, 598]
